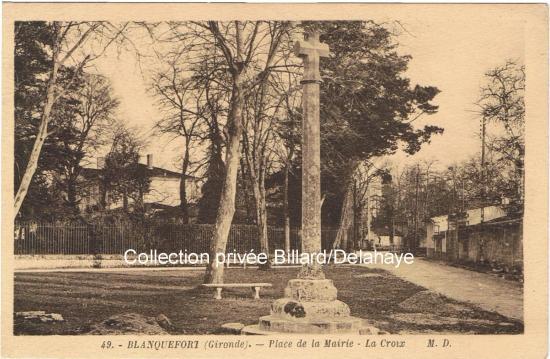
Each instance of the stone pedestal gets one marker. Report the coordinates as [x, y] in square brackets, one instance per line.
[309, 306]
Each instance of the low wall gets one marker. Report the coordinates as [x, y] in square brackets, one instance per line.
[57, 261]
[68, 261]
[500, 243]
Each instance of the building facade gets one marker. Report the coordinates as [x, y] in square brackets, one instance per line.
[164, 188]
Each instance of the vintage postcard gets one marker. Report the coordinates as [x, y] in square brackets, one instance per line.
[274, 180]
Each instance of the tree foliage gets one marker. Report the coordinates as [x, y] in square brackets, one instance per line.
[66, 47]
[124, 177]
[502, 104]
[83, 132]
[368, 105]
[82, 108]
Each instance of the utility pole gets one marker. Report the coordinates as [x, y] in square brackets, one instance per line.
[483, 188]
[368, 213]
[463, 208]
[417, 185]
[455, 213]
[354, 240]
[426, 197]
[483, 170]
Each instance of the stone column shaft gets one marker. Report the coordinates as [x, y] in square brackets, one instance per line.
[311, 177]
[311, 167]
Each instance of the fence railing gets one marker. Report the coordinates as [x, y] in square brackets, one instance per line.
[33, 238]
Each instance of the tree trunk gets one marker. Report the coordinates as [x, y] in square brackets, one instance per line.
[346, 222]
[261, 222]
[183, 200]
[183, 190]
[286, 210]
[103, 193]
[211, 190]
[139, 203]
[41, 136]
[226, 208]
[125, 200]
[71, 193]
[245, 192]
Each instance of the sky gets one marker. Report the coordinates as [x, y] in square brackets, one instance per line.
[449, 52]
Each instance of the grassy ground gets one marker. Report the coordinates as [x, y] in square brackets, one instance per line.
[88, 298]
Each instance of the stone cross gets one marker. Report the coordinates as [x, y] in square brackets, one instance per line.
[310, 51]
[310, 304]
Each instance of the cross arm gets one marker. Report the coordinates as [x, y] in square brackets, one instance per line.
[306, 48]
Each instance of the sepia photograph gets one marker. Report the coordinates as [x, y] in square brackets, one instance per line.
[361, 179]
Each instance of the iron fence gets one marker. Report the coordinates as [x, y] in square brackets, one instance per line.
[35, 238]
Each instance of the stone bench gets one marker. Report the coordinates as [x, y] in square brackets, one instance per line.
[254, 286]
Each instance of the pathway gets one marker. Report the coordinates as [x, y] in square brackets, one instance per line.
[484, 290]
